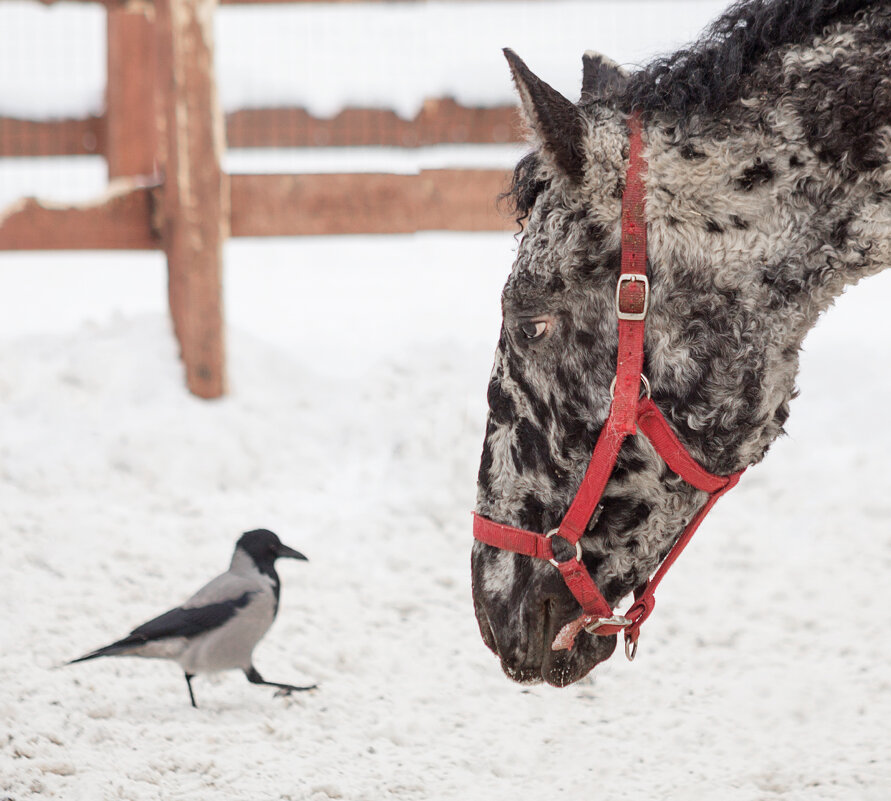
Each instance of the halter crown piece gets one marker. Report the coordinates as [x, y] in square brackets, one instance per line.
[628, 415]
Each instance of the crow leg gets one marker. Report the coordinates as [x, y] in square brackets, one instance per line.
[189, 677]
[254, 677]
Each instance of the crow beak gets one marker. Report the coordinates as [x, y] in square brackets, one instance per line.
[290, 553]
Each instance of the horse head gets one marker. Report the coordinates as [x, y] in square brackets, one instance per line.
[761, 207]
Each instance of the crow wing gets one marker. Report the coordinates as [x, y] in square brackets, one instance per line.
[187, 621]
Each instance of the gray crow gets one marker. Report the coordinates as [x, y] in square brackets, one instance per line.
[219, 626]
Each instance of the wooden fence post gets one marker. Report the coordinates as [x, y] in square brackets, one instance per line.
[196, 190]
[131, 129]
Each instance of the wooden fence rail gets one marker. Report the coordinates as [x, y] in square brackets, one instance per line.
[440, 120]
[163, 136]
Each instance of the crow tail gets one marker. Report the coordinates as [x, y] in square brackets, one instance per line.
[115, 649]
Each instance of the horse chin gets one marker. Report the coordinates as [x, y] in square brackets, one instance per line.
[534, 661]
[562, 668]
[565, 667]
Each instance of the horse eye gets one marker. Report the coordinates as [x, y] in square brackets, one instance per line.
[534, 329]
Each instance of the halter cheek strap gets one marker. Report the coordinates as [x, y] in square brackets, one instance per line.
[629, 414]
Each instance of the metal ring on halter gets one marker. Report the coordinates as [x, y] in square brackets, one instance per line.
[643, 379]
[615, 620]
[630, 649]
[578, 547]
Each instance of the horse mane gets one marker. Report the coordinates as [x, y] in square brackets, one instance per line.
[708, 75]
[525, 187]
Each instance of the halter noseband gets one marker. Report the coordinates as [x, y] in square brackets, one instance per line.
[629, 413]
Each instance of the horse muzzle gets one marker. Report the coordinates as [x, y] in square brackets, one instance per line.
[520, 625]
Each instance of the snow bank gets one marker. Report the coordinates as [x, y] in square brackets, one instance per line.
[328, 56]
[394, 55]
[52, 59]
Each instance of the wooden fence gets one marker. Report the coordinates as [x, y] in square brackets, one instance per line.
[163, 136]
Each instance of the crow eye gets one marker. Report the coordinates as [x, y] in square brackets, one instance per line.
[534, 329]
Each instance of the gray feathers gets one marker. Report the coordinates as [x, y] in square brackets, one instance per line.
[183, 622]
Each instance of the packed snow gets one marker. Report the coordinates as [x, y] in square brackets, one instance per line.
[353, 428]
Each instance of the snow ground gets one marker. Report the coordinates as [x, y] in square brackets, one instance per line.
[353, 429]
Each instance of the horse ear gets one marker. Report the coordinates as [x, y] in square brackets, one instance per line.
[601, 77]
[558, 122]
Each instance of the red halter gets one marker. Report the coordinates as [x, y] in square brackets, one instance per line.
[628, 414]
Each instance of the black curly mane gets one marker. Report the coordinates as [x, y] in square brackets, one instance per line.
[525, 187]
[708, 75]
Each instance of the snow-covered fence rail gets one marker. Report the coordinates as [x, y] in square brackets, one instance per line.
[441, 120]
[162, 135]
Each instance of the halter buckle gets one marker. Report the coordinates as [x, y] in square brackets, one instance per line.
[632, 296]
[554, 532]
